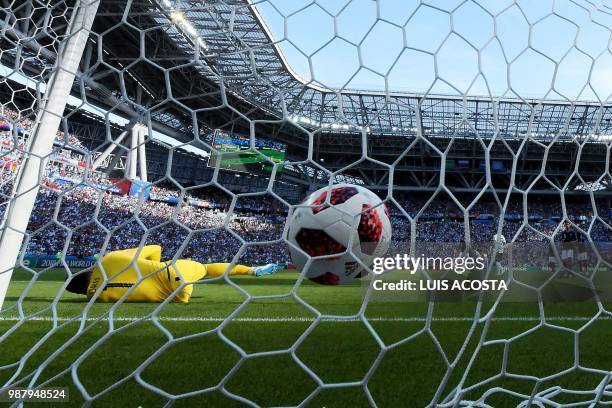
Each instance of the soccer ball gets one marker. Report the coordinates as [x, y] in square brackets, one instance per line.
[356, 218]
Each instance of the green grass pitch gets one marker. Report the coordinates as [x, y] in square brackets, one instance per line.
[408, 373]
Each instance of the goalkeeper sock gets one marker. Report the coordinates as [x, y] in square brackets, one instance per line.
[218, 269]
[268, 269]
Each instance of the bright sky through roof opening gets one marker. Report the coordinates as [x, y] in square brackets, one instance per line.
[529, 49]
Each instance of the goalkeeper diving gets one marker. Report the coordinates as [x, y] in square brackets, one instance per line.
[149, 279]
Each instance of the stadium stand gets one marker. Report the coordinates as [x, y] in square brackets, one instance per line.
[253, 218]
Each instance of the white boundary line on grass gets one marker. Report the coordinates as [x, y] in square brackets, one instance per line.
[307, 319]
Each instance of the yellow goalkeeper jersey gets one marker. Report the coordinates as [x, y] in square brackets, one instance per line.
[148, 278]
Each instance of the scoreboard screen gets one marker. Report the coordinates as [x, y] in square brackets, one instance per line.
[234, 152]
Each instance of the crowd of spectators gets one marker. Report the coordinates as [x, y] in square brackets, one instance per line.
[442, 220]
[22, 124]
[82, 220]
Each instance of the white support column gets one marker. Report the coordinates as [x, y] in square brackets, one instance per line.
[40, 144]
[108, 151]
[132, 154]
[126, 168]
[142, 153]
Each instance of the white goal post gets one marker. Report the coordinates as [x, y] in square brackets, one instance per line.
[27, 181]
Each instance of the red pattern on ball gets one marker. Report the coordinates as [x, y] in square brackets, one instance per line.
[370, 229]
[327, 278]
[317, 243]
[338, 196]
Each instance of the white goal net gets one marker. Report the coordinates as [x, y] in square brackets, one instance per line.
[200, 126]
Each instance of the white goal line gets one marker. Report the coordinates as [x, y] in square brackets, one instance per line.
[288, 319]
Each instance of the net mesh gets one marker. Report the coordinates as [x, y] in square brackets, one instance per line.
[178, 81]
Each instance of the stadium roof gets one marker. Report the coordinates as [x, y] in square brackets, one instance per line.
[238, 55]
[237, 46]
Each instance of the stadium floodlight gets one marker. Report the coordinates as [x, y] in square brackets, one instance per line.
[165, 140]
